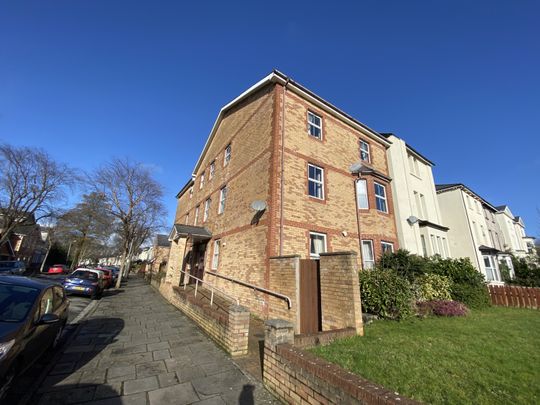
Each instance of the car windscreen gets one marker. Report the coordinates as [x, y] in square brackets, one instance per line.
[16, 301]
[85, 275]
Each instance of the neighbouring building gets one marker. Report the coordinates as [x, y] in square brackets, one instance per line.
[473, 231]
[513, 229]
[419, 222]
[283, 174]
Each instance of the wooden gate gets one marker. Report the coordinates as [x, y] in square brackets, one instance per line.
[310, 297]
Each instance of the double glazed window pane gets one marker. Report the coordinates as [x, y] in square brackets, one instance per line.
[317, 244]
[380, 197]
[316, 183]
[367, 254]
[361, 194]
[314, 122]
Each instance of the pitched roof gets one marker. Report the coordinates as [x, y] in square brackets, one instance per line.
[162, 240]
[451, 186]
[411, 149]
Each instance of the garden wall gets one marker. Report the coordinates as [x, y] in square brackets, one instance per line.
[296, 376]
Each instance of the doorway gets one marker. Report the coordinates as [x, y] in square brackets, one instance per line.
[197, 265]
[310, 297]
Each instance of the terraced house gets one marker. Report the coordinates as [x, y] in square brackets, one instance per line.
[283, 173]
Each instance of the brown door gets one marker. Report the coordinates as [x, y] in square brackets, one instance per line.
[310, 301]
[197, 267]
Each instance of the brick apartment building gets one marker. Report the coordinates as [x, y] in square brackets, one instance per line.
[292, 153]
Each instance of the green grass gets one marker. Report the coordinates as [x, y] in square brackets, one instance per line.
[492, 356]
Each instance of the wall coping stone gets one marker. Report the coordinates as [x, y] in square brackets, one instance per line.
[284, 257]
[279, 324]
[351, 253]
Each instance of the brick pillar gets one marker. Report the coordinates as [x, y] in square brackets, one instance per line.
[340, 292]
[238, 330]
[278, 331]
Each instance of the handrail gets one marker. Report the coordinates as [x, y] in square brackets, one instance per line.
[212, 288]
[255, 287]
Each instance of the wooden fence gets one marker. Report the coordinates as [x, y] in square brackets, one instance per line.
[515, 296]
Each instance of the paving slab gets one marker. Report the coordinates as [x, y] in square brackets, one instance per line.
[180, 394]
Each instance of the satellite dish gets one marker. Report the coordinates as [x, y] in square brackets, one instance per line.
[355, 167]
[258, 205]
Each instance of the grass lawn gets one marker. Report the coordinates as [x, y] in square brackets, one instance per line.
[490, 357]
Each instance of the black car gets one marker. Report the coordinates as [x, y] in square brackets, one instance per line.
[33, 314]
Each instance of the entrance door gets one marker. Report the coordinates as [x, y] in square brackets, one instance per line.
[310, 297]
[197, 268]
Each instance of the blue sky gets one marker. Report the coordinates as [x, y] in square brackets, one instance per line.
[459, 80]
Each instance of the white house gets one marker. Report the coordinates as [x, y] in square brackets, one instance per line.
[473, 233]
[418, 217]
[513, 229]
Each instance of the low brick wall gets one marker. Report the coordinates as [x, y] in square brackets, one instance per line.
[296, 376]
[226, 323]
[322, 338]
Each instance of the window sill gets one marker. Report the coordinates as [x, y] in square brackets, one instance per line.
[316, 199]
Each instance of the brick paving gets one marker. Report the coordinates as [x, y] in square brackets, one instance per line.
[138, 349]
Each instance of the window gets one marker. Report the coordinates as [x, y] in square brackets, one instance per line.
[368, 257]
[491, 271]
[46, 305]
[476, 233]
[206, 209]
[380, 197]
[419, 212]
[316, 181]
[212, 170]
[227, 157]
[483, 234]
[314, 125]
[445, 247]
[433, 245]
[364, 152]
[196, 215]
[187, 218]
[361, 194]
[317, 244]
[58, 298]
[191, 192]
[222, 198]
[413, 165]
[387, 247]
[201, 181]
[424, 248]
[215, 255]
[439, 245]
[424, 207]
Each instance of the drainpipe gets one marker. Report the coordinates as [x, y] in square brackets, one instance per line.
[282, 168]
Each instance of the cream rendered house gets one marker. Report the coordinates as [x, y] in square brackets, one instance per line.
[469, 235]
[513, 229]
[418, 217]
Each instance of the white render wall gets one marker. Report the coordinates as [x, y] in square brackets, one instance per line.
[514, 233]
[405, 182]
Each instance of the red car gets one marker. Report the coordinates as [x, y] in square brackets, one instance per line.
[107, 277]
[58, 269]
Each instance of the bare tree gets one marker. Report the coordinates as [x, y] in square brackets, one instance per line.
[133, 198]
[32, 184]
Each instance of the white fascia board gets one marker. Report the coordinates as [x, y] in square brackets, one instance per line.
[271, 77]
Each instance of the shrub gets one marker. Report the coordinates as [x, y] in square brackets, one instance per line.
[471, 295]
[527, 274]
[430, 287]
[386, 294]
[403, 263]
[441, 308]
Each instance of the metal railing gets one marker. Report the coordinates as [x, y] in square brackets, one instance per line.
[210, 286]
[255, 287]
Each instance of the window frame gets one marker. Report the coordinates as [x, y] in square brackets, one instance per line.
[201, 181]
[365, 262]
[212, 170]
[227, 155]
[358, 205]
[368, 152]
[196, 217]
[320, 182]
[206, 213]
[187, 219]
[215, 258]
[222, 199]
[387, 244]
[325, 242]
[378, 197]
[314, 125]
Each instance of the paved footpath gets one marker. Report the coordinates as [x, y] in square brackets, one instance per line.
[137, 349]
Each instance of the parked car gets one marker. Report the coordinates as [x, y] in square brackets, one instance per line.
[58, 269]
[33, 314]
[87, 282]
[14, 267]
[107, 277]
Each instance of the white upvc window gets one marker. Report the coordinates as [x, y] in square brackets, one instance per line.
[314, 125]
[206, 209]
[380, 197]
[440, 246]
[387, 247]
[419, 211]
[361, 194]
[222, 199]
[227, 157]
[317, 244]
[215, 254]
[187, 218]
[316, 181]
[368, 255]
[201, 181]
[191, 192]
[433, 245]
[492, 274]
[212, 170]
[424, 248]
[196, 215]
[365, 154]
[424, 207]
[445, 248]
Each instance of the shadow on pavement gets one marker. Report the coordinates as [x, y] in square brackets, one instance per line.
[246, 396]
[76, 375]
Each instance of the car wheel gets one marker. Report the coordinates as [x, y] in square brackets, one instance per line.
[7, 382]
